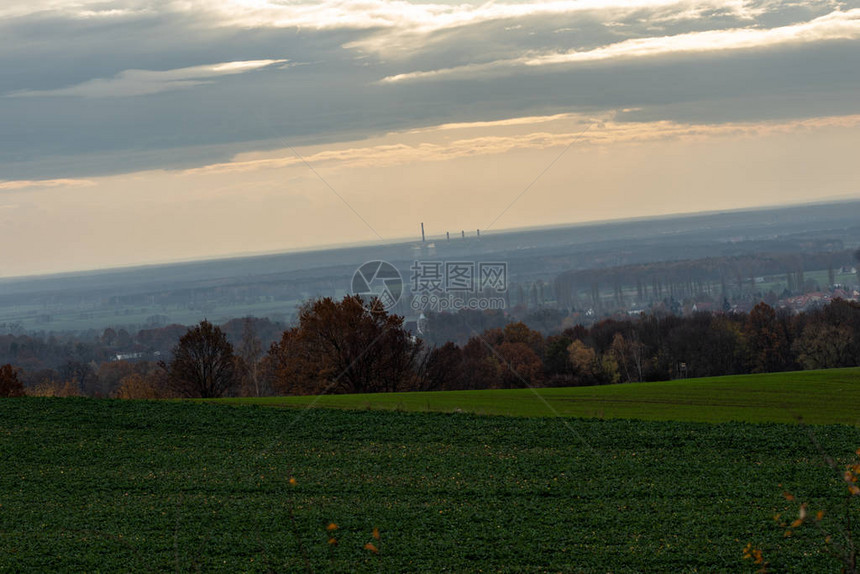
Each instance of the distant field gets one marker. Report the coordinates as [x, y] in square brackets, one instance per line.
[70, 318]
[820, 397]
[92, 485]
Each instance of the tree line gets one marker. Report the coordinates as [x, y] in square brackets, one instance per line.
[352, 346]
[653, 348]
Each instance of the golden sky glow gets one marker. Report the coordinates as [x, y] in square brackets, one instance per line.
[450, 177]
[154, 130]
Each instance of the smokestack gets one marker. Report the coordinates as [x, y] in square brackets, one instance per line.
[463, 234]
[479, 233]
[422, 232]
[448, 235]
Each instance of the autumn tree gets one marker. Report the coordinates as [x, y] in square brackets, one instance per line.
[557, 360]
[111, 373]
[482, 368]
[583, 359]
[203, 363]
[824, 346]
[444, 369]
[726, 344]
[10, 386]
[53, 388]
[591, 367]
[347, 346]
[767, 341]
[609, 371]
[829, 337]
[629, 354]
[518, 350]
[521, 366]
[79, 374]
[138, 386]
[841, 313]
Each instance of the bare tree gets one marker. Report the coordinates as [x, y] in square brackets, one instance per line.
[203, 363]
[250, 353]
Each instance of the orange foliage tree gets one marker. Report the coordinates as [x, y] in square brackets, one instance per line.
[345, 347]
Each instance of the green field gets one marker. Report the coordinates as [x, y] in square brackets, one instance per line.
[107, 485]
[819, 397]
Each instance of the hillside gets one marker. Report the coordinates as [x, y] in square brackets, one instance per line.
[819, 397]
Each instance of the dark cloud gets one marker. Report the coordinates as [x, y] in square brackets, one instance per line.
[331, 91]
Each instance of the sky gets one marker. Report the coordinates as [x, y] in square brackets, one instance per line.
[149, 131]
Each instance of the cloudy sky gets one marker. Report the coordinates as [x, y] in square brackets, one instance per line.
[140, 131]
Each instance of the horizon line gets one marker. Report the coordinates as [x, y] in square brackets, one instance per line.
[224, 257]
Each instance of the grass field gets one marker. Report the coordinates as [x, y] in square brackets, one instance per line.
[101, 485]
[820, 397]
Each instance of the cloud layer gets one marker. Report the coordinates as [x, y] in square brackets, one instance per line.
[837, 25]
[516, 134]
[123, 77]
[123, 113]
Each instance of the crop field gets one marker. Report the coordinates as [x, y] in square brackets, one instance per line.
[819, 397]
[106, 485]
